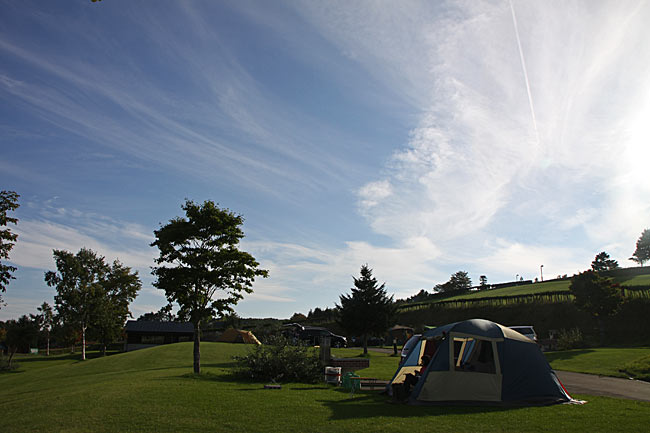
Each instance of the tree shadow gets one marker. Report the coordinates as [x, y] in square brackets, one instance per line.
[564, 355]
[366, 404]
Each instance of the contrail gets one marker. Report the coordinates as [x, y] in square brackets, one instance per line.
[523, 67]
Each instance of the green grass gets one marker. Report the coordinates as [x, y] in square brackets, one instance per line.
[154, 390]
[604, 361]
[524, 289]
[638, 280]
[547, 286]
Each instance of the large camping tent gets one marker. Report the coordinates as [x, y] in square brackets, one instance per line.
[480, 361]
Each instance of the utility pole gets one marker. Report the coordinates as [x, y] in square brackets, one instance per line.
[541, 275]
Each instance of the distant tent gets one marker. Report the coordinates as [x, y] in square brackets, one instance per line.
[479, 361]
[232, 335]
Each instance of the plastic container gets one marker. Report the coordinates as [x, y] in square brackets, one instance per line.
[333, 375]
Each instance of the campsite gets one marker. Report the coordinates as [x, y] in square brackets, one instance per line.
[324, 216]
[154, 390]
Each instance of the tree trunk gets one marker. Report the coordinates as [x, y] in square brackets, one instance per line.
[103, 349]
[48, 343]
[365, 344]
[11, 355]
[197, 350]
[83, 343]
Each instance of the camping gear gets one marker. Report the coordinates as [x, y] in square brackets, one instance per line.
[478, 361]
[333, 375]
[348, 383]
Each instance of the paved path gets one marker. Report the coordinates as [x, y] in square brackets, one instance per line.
[579, 383]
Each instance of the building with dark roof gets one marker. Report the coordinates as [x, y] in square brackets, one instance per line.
[141, 334]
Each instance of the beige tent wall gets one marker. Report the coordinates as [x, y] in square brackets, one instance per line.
[463, 385]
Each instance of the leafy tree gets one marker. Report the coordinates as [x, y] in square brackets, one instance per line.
[642, 252]
[117, 291]
[368, 310]
[596, 295]
[8, 202]
[199, 259]
[45, 321]
[602, 262]
[163, 315]
[483, 281]
[457, 282]
[298, 317]
[92, 293]
[21, 335]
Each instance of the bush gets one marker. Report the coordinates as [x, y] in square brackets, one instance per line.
[281, 360]
[570, 339]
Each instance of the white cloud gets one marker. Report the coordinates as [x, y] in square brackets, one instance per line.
[37, 239]
[473, 166]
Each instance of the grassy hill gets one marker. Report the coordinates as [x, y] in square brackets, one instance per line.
[154, 390]
[629, 277]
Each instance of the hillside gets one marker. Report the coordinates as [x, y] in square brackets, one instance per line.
[628, 277]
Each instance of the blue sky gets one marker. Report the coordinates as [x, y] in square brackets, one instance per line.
[421, 138]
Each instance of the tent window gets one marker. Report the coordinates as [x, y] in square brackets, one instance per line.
[474, 355]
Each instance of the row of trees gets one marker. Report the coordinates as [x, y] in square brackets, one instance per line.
[92, 294]
[200, 268]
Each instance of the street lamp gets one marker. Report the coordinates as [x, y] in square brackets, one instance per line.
[541, 275]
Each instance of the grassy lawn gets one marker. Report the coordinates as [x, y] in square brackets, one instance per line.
[605, 361]
[524, 289]
[154, 390]
[548, 286]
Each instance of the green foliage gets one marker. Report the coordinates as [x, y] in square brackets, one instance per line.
[45, 321]
[280, 360]
[595, 294]
[298, 317]
[199, 258]
[602, 262]
[8, 203]
[21, 334]
[642, 252]
[92, 294]
[163, 315]
[458, 282]
[368, 310]
[570, 339]
[119, 289]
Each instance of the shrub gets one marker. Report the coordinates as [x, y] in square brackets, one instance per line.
[570, 339]
[281, 360]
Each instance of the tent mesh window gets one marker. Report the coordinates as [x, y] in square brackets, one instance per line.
[474, 355]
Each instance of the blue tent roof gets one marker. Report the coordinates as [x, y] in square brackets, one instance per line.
[491, 364]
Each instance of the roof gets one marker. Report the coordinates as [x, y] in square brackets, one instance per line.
[159, 327]
[479, 327]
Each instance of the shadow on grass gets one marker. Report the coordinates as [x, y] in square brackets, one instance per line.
[368, 404]
[564, 355]
[76, 356]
